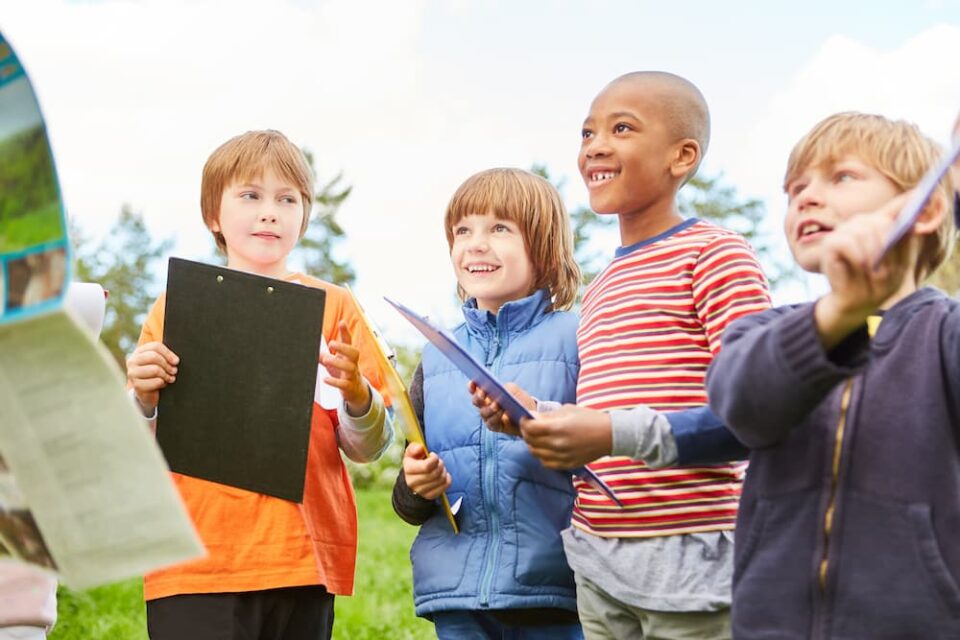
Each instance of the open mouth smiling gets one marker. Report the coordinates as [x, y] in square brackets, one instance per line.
[599, 177]
[812, 228]
[481, 268]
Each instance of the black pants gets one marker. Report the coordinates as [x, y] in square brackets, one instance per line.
[294, 613]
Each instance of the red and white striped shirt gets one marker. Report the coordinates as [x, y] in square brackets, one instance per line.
[650, 325]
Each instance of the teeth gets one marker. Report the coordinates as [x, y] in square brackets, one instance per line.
[811, 228]
[477, 268]
[603, 175]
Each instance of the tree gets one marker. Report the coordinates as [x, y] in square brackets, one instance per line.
[122, 263]
[318, 246]
[584, 223]
[710, 199]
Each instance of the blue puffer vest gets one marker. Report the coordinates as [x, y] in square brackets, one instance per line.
[509, 553]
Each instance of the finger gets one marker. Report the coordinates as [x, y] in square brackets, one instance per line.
[165, 352]
[488, 410]
[433, 489]
[150, 372]
[151, 357]
[415, 450]
[345, 333]
[345, 366]
[343, 384]
[424, 465]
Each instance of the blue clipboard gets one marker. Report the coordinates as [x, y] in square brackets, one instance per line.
[475, 371]
[911, 211]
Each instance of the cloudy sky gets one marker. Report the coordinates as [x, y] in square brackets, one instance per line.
[408, 98]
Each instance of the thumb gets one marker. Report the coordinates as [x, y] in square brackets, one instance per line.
[415, 450]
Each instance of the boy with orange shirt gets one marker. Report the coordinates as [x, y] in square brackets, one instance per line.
[273, 566]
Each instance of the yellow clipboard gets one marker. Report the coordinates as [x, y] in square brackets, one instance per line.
[397, 390]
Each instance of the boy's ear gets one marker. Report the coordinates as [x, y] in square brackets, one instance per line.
[931, 217]
[686, 158]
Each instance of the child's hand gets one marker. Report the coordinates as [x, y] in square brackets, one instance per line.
[857, 289]
[151, 367]
[425, 474]
[342, 363]
[491, 413]
[569, 437]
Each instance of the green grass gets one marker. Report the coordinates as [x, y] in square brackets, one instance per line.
[382, 607]
[28, 230]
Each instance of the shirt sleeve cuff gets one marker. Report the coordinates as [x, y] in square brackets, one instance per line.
[643, 434]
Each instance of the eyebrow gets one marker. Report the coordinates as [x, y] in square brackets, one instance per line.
[615, 115]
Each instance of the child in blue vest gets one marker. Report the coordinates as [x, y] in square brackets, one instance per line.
[505, 574]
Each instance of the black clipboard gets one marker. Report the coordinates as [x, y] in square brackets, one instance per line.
[239, 412]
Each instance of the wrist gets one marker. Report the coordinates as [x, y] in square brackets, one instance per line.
[359, 405]
[147, 409]
[603, 436]
[835, 319]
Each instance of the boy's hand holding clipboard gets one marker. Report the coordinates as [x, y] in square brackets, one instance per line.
[399, 397]
[477, 373]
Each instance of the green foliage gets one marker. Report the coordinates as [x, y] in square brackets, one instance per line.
[382, 606]
[708, 198]
[318, 246]
[123, 264]
[29, 209]
[584, 223]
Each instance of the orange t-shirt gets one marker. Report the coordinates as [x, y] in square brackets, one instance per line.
[254, 541]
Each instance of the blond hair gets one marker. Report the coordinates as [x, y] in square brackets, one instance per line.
[895, 148]
[245, 157]
[534, 205]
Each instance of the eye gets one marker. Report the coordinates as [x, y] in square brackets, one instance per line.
[795, 189]
[621, 127]
[586, 133]
[501, 228]
[290, 199]
[460, 231]
[250, 195]
[843, 176]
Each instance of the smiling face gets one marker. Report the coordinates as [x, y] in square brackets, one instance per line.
[490, 260]
[821, 198]
[626, 149]
[260, 219]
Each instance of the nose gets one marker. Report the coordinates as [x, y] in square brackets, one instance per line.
[595, 146]
[478, 242]
[267, 214]
[811, 196]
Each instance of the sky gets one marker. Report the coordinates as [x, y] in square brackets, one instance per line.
[408, 98]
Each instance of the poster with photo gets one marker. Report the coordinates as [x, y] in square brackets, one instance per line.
[84, 489]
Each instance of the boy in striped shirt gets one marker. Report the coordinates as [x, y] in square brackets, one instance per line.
[661, 565]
